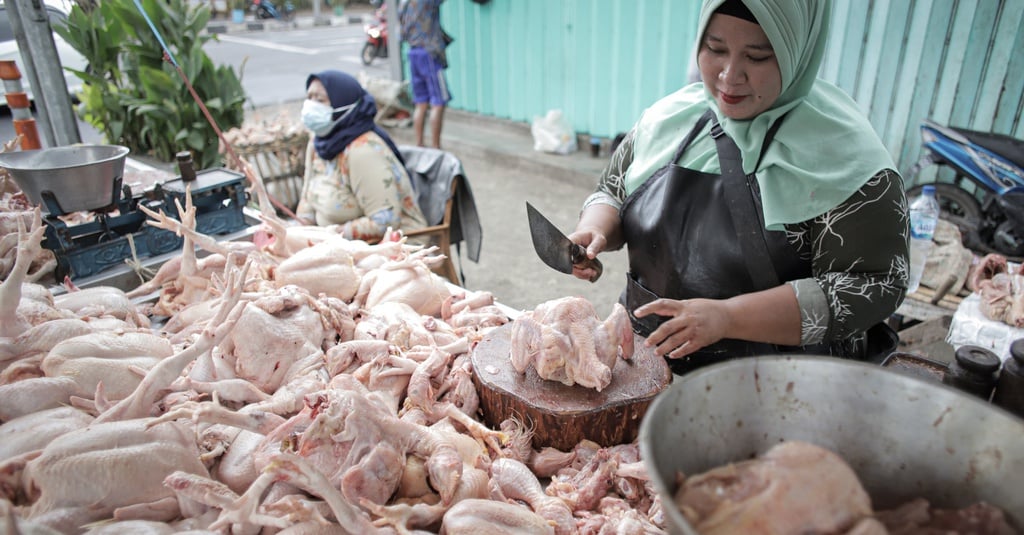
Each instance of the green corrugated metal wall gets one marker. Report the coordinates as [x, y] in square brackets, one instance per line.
[603, 61]
[600, 61]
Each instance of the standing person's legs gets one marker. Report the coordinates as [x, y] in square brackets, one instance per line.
[419, 82]
[428, 86]
[418, 119]
[436, 122]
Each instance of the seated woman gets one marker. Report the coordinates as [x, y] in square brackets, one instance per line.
[355, 176]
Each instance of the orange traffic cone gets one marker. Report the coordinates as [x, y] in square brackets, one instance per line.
[17, 100]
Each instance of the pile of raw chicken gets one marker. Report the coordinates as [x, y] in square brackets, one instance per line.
[295, 383]
[16, 209]
[1000, 288]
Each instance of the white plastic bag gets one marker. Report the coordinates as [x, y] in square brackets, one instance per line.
[553, 133]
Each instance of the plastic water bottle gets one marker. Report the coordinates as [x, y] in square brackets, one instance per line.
[924, 216]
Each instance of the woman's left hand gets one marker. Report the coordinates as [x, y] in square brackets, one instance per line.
[692, 325]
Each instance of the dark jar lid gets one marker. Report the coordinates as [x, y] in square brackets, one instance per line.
[977, 359]
[1017, 350]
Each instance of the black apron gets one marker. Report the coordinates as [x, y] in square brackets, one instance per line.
[699, 235]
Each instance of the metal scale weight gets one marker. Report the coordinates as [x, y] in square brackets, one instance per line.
[64, 180]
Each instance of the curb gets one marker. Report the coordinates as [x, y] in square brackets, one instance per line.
[259, 25]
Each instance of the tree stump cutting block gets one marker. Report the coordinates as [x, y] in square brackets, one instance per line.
[560, 415]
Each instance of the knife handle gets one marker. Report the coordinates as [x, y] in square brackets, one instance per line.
[578, 256]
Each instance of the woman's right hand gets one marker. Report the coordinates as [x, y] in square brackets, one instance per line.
[596, 231]
[594, 241]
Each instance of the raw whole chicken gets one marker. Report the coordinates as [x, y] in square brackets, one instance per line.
[34, 431]
[325, 268]
[566, 341]
[408, 280]
[115, 468]
[1001, 291]
[794, 487]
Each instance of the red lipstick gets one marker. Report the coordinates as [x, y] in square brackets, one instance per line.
[729, 99]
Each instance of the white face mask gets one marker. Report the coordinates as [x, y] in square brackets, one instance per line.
[317, 116]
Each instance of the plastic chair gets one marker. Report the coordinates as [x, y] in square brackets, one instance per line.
[446, 200]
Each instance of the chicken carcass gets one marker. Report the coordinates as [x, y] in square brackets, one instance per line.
[115, 468]
[34, 431]
[566, 341]
[408, 280]
[491, 516]
[794, 487]
[275, 332]
[78, 366]
[101, 301]
[325, 268]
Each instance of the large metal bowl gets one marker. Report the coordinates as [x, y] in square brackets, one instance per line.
[69, 179]
[904, 437]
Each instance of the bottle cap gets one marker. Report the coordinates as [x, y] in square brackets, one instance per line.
[977, 359]
[1017, 350]
[928, 189]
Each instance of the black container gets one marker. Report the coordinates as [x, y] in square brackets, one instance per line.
[973, 370]
[1010, 386]
[185, 168]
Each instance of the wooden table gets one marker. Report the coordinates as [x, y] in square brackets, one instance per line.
[922, 305]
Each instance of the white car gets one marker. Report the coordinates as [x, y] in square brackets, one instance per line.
[58, 11]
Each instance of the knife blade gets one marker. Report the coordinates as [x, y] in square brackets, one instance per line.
[554, 248]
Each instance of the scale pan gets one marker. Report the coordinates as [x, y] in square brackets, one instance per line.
[69, 179]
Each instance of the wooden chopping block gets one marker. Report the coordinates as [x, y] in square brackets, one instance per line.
[560, 415]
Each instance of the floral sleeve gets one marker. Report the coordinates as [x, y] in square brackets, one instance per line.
[373, 179]
[859, 256]
[611, 188]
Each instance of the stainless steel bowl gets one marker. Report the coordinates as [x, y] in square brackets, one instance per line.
[69, 179]
[904, 437]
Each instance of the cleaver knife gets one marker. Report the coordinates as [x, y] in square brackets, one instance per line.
[554, 248]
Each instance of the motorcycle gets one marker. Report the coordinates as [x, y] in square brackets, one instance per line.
[985, 200]
[265, 9]
[376, 39]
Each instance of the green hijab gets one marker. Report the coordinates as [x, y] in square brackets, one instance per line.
[825, 149]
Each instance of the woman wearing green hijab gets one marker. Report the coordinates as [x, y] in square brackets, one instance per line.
[761, 212]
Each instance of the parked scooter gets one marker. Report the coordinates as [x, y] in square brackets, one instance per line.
[986, 198]
[376, 38]
[265, 9]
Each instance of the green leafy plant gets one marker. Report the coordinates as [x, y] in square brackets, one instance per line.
[136, 97]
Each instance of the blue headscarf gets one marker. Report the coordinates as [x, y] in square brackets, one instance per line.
[343, 90]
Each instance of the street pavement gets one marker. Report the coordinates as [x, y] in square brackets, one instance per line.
[356, 14]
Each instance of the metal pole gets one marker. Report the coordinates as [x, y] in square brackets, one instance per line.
[318, 18]
[31, 27]
[394, 42]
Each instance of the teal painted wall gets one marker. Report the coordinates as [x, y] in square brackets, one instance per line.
[602, 62]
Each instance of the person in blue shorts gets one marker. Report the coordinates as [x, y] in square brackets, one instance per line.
[421, 28]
